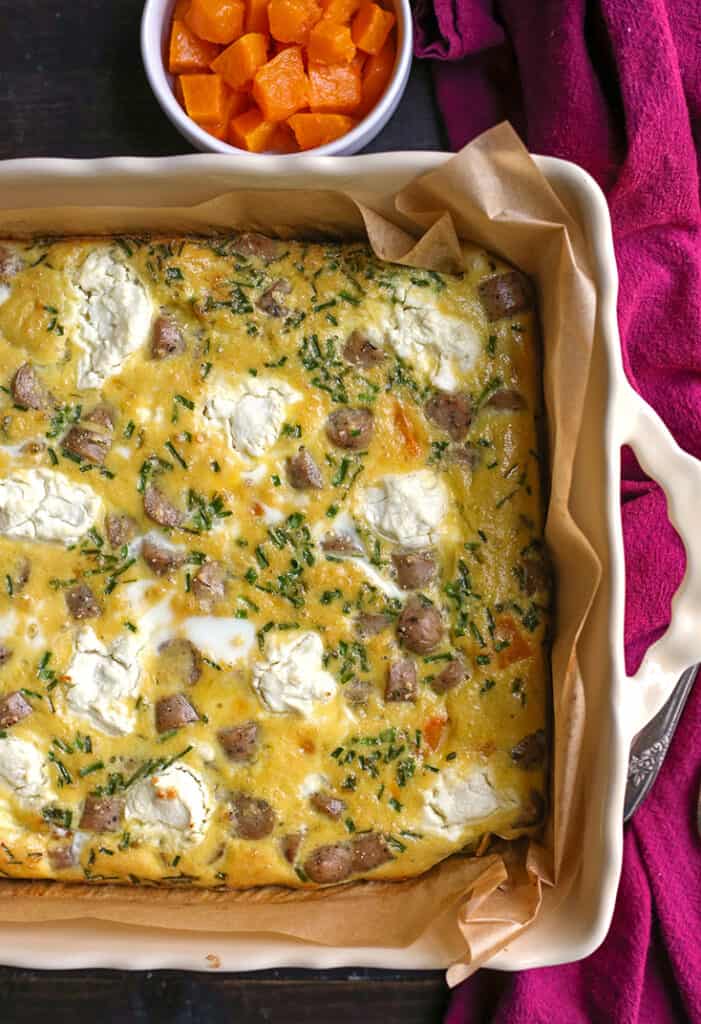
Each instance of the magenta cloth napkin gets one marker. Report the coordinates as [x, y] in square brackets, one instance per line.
[615, 86]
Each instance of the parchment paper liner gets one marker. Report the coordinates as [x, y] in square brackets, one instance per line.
[493, 194]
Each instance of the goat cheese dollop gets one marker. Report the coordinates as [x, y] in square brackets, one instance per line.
[43, 504]
[293, 677]
[252, 414]
[407, 508]
[22, 768]
[104, 682]
[454, 801]
[175, 800]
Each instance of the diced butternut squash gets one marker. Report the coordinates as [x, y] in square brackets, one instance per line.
[284, 141]
[371, 26]
[334, 88]
[433, 730]
[511, 642]
[340, 10]
[280, 87]
[257, 16]
[291, 20]
[205, 97]
[251, 131]
[218, 21]
[234, 104]
[331, 43]
[180, 10]
[313, 130]
[376, 73]
[238, 63]
[187, 53]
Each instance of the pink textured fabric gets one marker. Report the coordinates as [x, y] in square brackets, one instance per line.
[616, 87]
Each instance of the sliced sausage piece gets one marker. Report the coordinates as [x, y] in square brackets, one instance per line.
[328, 804]
[13, 708]
[369, 851]
[27, 390]
[360, 351]
[356, 691]
[415, 569]
[179, 661]
[120, 529]
[102, 814]
[535, 575]
[174, 712]
[270, 301]
[303, 473]
[10, 263]
[350, 428]
[506, 294]
[451, 412]
[402, 683]
[62, 857]
[450, 677]
[289, 845]
[103, 414]
[252, 818]
[159, 559]
[341, 544]
[82, 603]
[420, 627]
[167, 338]
[5, 654]
[329, 864]
[530, 751]
[20, 578]
[240, 742]
[371, 623]
[250, 243]
[158, 508]
[87, 444]
[506, 400]
[209, 585]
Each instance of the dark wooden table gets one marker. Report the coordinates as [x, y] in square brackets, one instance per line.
[72, 85]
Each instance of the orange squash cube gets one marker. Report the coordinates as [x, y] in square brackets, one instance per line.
[340, 10]
[234, 104]
[331, 43]
[238, 63]
[257, 16]
[280, 87]
[377, 72]
[204, 96]
[371, 26]
[251, 131]
[291, 20]
[313, 130]
[284, 141]
[334, 88]
[180, 10]
[218, 21]
[187, 53]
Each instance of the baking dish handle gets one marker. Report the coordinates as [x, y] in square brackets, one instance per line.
[679, 474]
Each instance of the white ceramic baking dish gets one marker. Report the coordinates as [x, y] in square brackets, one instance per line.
[572, 923]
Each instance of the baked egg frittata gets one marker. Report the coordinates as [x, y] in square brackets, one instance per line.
[274, 597]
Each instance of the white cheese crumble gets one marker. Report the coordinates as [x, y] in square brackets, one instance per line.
[4, 292]
[252, 414]
[456, 801]
[104, 682]
[292, 677]
[175, 799]
[406, 507]
[313, 783]
[22, 768]
[220, 638]
[43, 504]
[113, 318]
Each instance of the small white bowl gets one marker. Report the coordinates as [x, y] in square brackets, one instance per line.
[155, 30]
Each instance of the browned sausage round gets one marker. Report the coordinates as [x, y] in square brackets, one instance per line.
[289, 845]
[209, 585]
[535, 575]
[415, 569]
[27, 390]
[451, 412]
[356, 691]
[87, 444]
[350, 428]
[62, 857]
[104, 414]
[10, 263]
[174, 712]
[530, 751]
[13, 708]
[303, 473]
[5, 654]
[401, 682]
[360, 351]
[179, 662]
[341, 544]
[371, 623]
[328, 804]
[329, 864]
[102, 814]
[450, 677]
[250, 243]
[82, 603]
[158, 508]
[506, 400]
[240, 742]
[506, 294]
[270, 301]
[167, 338]
[420, 627]
[252, 818]
[120, 529]
[159, 559]
[369, 851]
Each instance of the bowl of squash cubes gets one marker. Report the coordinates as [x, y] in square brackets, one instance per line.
[278, 76]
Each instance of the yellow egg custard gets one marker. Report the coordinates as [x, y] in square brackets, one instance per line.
[274, 597]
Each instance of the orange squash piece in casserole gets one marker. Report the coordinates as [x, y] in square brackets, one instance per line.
[371, 26]
[234, 104]
[251, 131]
[204, 96]
[257, 16]
[187, 53]
[331, 43]
[238, 63]
[280, 87]
[313, 130]
[218, 21]
[340, 11]
[291, 20]
[334, 88]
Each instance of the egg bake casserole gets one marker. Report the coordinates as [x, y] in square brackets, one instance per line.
[274, 601]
